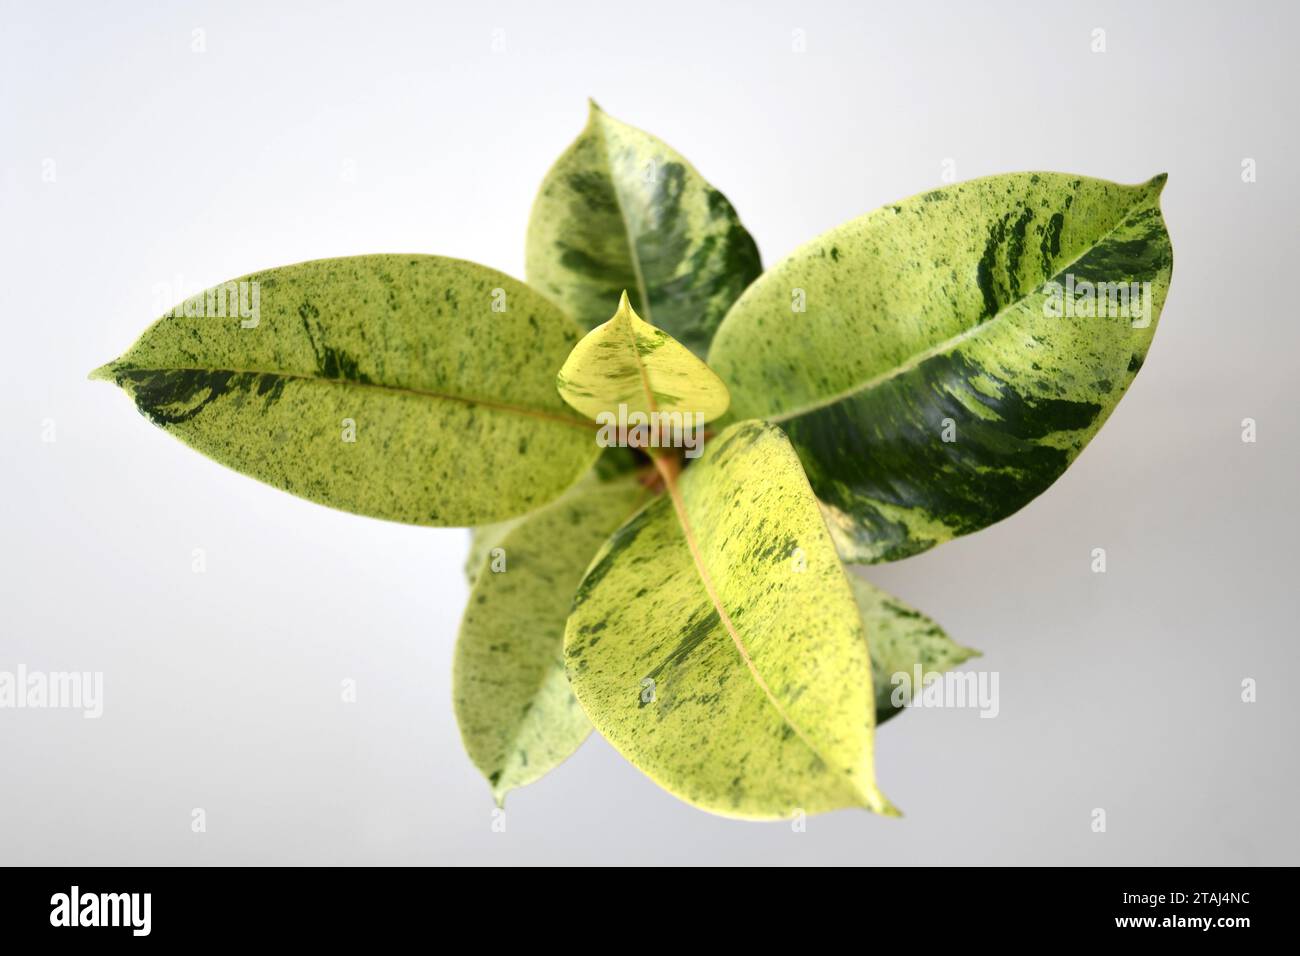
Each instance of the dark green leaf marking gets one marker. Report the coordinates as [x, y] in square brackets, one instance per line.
[928, 387]
[622, 210]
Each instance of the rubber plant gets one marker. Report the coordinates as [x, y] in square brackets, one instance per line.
[903, 379]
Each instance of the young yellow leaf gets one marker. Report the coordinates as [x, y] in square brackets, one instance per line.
[628, 363]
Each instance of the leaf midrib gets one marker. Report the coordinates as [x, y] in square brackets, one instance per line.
[688, 532]
[669, 468]
[521, 410]
[949, 343]
[634, 347]
[632, 254]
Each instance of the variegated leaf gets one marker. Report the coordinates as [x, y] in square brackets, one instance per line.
[486, 538]
[901, 638]
[622, 210]
[518, 717]
[914, 358]
[413, 388]
[627, 363]
[613, 464]
[716, 643]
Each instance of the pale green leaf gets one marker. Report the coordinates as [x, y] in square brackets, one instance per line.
[629, 364]
[901, 638]
[716, 643]
[412, 388]
[912, 358]
[485, 538]
[517, 715]
[622, 210]
[614, 463]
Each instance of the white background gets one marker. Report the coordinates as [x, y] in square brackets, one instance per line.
[222, 690]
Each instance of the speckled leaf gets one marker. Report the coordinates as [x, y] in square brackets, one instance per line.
[518, 717]
[612, 465]
[627, 362]
[927, 390]
[716, 643]
[412, 388]
[483, 539]
[901, 637]
[621, 210]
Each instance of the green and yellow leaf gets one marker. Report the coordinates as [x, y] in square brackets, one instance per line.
[413, 388]
[926, 383]
[901, 638]
[716, 643]
[613, 464]
[630, 363]
[485, 538]
[518, 717]
[622, 210]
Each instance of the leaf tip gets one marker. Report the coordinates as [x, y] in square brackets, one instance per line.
[105, 373]
[878, 803]
[1157, 183]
